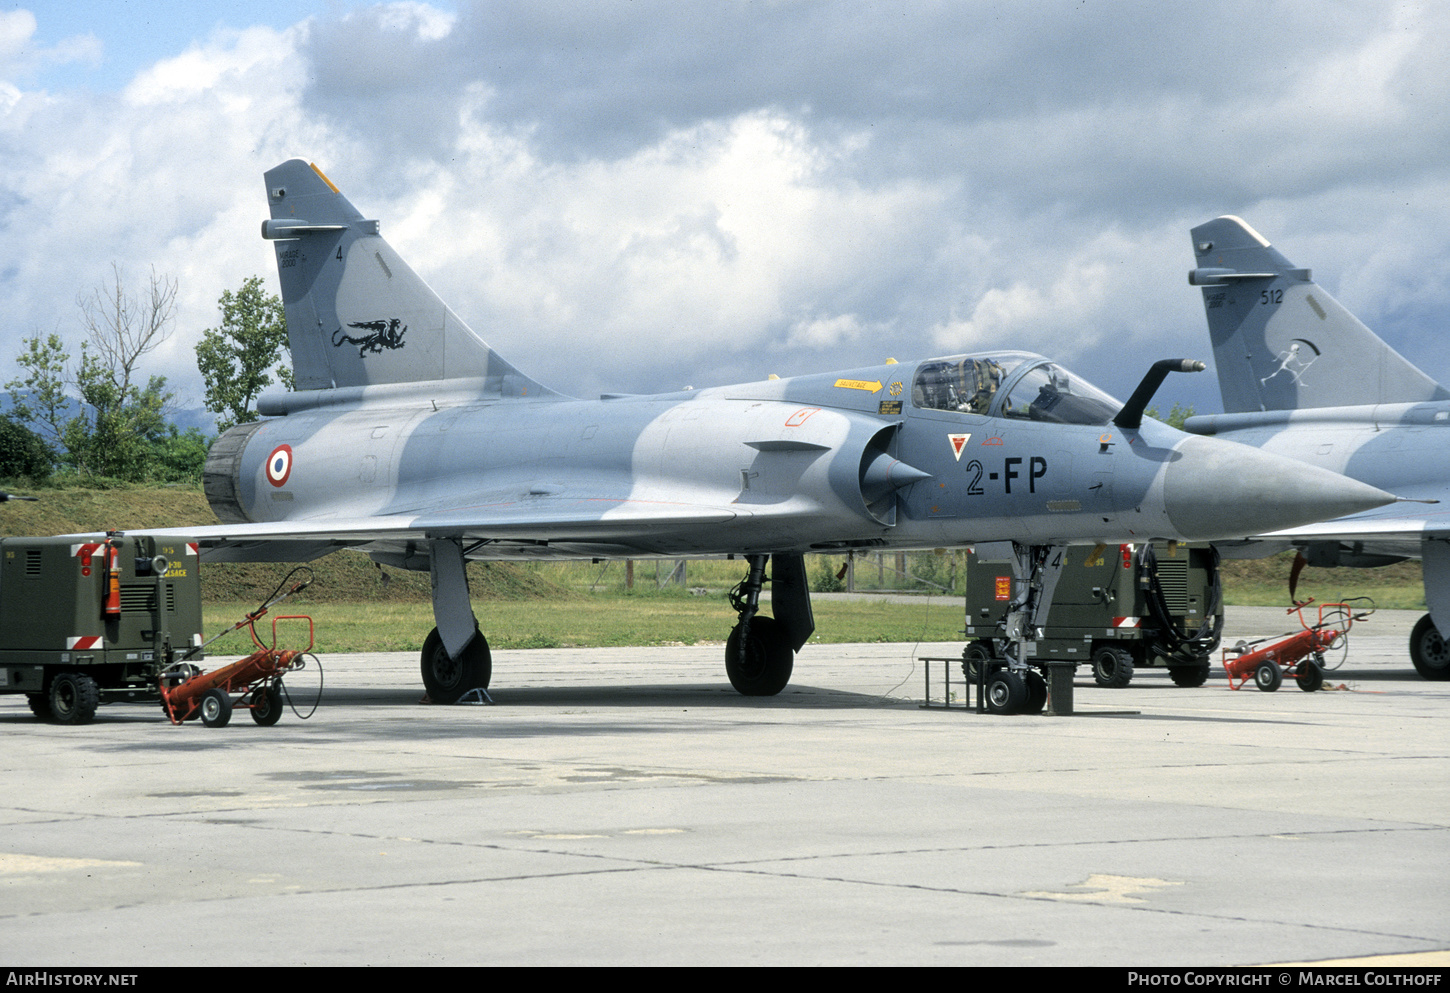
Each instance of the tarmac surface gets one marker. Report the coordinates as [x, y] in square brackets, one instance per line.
[626, 807]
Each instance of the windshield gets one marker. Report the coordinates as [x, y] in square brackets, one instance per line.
[1010, 384]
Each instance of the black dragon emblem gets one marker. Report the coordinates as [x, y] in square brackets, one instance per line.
[381, 335]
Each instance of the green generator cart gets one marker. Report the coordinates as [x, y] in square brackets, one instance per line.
[1116, 608]
[86, 621]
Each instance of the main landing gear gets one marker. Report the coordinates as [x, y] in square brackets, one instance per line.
[455, 658]
[1428, 649]
[760, 652]
[759, 655]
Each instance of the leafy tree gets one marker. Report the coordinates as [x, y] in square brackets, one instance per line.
[240, 358]
[39, 397]
[180, 455]
[23, 452]
[1175, 417]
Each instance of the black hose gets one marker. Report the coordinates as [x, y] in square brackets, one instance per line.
[1173, 641]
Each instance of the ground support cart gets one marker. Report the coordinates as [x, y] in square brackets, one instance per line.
[208, 695]
[1299, 656]
[1116, 608]
[85, 622]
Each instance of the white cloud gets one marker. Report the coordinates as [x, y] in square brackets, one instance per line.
[418, 19]
[21, 56]
[227, 64]
[646, 194]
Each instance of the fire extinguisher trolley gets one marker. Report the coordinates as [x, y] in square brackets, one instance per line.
[1299, 656]
[255, 681]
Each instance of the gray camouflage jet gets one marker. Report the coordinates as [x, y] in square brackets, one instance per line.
[1302, 377]
[409, 439]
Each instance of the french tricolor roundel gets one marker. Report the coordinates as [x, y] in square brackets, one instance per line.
[279, 465]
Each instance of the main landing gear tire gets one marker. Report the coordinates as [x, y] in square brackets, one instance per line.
[267, 706]
[447, 678]
[1006, 692]
[1428, 650]
[1112, 667]
[768, 660]
[216, 708]
[73, 698]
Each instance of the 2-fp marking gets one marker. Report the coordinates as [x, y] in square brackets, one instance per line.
[1011, 469]
[279, 465]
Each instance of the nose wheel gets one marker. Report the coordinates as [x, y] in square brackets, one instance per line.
[1011, 691]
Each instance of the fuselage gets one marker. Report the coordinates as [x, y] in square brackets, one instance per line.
[1002, 446]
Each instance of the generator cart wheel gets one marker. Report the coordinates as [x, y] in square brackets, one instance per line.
[1428, 651]
[768, 661]
[1268, 676]
[267, 706]
[1309, 676]
[216, 708]
[73, 698]
[1036, 693]
[1112, 667]
[1188, 675]
[39, 705]
[972, 658]
[1006, 692]
[447, 678]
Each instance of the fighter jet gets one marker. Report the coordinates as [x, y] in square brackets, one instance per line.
[410, 439]
[1301, 377]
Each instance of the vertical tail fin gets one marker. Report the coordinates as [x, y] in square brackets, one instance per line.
[1280, 342]
[357, 315]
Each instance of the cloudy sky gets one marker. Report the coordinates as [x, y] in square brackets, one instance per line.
[635, 196]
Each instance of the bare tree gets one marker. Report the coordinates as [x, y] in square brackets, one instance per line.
[122, 329]
[118, 424]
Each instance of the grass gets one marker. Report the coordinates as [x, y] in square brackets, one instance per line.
[1265, 583]
[598, 621]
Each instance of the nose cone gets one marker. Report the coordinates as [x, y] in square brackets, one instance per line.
[1220, 489]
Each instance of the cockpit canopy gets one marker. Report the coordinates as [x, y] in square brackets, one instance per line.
[1010, 384]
